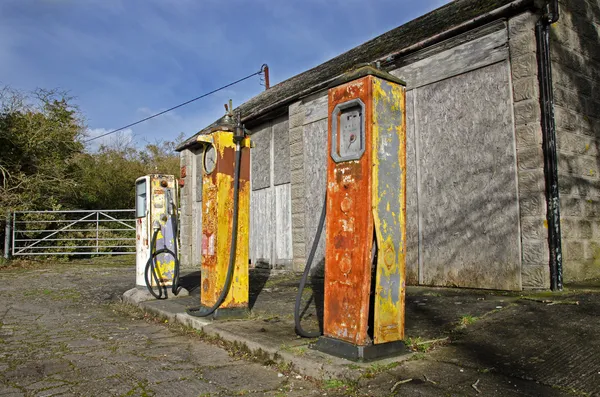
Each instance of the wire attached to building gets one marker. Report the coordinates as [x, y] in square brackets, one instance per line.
[262, 70]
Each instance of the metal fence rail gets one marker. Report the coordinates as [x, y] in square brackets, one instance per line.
[105, 232]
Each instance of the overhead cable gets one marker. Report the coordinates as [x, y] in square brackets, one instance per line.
[176, 107]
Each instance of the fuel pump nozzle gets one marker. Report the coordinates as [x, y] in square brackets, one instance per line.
[238, 135]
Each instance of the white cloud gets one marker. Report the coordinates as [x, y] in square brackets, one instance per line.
[124, 60]
[119, 139]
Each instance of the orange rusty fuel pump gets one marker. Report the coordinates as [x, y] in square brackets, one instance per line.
[365, 217]
[224, 289]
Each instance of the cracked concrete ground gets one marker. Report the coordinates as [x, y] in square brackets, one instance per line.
[63, 331]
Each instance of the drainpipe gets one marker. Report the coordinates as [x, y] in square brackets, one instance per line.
[542, 33]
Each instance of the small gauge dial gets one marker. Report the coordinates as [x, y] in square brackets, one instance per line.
[210, 159]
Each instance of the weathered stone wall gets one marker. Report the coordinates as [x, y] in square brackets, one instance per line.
[296, 140]
[458, 232]
[186, 159]
[530, 159]
[576, 73]
[575, 53]
[308, 166]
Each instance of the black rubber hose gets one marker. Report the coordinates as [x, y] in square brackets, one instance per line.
[151, 268]
[311, 256]
[175, 288]
[299, 330]
[204, 312]
[151, 263]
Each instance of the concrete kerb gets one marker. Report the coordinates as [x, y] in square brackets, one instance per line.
[137, 295]
[310, 363]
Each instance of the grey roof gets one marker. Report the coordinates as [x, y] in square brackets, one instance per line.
[440, 20]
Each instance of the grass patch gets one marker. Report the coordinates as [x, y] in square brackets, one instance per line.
[66, 294]
[61, 263]
[21, 264]
[417, 357]
[551, 302]
[338, 386]
[417, 344]
[467, 319]
[333, 384]
[375, 369]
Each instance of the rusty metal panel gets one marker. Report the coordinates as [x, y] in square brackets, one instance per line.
[217, 208]
[349, 229]
[389, 208]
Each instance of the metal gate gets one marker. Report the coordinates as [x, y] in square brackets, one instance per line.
[105, 232]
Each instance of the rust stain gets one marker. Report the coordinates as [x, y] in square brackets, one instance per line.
[362, 197]
[165, 264]
[348, 249]
[217, 214]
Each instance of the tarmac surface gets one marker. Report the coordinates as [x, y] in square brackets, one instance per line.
[64, 331]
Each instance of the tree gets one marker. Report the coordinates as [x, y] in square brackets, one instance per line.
[107, 177]
[39, 142]
[44, 166]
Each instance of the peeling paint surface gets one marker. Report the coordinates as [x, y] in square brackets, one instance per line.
[217, 219]
[389, 208]
[349, 230]
[157, 209]
[364, 196]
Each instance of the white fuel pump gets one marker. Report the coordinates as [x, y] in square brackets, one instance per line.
[156, 211]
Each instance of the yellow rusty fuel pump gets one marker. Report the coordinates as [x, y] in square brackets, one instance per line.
[157, 257]
[365, 217]
[224, 289]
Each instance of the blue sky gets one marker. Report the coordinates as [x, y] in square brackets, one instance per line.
[123, 60]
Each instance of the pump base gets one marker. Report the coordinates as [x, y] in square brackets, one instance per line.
[141, 294]
[349, 351]
[227, 313]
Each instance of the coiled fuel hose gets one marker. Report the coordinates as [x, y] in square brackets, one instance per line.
[151, 265]
[204, 311]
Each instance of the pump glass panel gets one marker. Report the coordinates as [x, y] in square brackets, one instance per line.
[140, 198]
[348, 131]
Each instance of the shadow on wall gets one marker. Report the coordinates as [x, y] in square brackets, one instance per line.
[458, 240]
[543, 348]
[575, 50]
